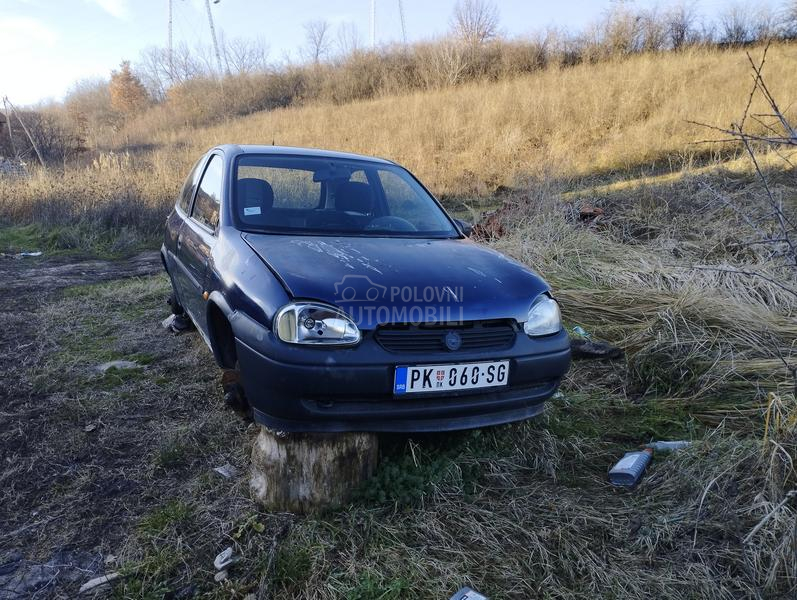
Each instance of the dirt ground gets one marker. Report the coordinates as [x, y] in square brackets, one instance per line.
[85, 453]
[113, 472]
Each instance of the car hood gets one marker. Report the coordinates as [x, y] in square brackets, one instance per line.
[384, 280]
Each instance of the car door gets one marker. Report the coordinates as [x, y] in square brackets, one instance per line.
[198, 236]
[175, 225]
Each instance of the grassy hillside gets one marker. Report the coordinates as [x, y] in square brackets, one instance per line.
[612, 119]
[586, 120]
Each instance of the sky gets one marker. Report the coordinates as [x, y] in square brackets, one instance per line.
[48, 45]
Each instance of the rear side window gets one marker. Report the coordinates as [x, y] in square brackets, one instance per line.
[208, 196]
[184, 202]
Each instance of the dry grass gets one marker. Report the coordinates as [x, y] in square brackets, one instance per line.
[620, 116]
[657, 274]
[522, 510]
[617, 115]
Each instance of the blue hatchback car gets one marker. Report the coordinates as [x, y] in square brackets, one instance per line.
[341, 296]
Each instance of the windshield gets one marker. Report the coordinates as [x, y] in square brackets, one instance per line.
[314, 195]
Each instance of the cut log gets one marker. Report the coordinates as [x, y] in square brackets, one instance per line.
[304, 472]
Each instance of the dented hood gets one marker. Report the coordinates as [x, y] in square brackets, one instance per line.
[377, 280]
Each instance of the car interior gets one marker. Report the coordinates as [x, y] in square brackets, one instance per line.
[344, 204]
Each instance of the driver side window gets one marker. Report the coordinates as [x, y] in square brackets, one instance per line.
[187, 193]
[208, 196]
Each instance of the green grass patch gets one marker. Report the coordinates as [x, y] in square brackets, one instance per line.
[173, 452]
[373, 586]
[149, 579]
[172, 514]
[294, 564]
[81, 239]
[409, 470]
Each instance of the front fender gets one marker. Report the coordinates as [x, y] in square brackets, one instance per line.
[244, 328]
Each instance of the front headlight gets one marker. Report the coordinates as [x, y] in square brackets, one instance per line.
[315, 323]
[544, 317]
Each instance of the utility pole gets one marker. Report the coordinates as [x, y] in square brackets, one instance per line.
[171, 44]
[403, 23]
[8, 122]
[373, 23]
[213, 33]
[25, 129]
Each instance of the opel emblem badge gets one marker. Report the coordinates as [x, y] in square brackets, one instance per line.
[453, 341]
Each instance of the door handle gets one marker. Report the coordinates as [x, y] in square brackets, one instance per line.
[179, 241]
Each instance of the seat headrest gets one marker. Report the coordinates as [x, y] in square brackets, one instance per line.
[254, 193]
[354, 196]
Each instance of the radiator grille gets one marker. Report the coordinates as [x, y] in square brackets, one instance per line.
[432, 338]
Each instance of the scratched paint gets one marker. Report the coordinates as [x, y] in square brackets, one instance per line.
[345, 254]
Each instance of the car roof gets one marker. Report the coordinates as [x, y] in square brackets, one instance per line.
[238, 149]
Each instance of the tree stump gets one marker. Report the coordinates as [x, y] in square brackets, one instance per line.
[305, 472]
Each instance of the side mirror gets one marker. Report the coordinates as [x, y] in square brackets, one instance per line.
[464, 226]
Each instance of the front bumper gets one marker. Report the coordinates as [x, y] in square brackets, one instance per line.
[294, 388]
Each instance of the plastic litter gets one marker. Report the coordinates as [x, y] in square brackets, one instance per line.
[98, 581]
[468, 594]
[176, 323]
[19, 254]
[668, 446]
[579, 330]
[226, 470]
[224, 559]
[629, 469]
[118, 364]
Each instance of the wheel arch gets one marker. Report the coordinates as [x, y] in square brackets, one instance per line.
[222, 337]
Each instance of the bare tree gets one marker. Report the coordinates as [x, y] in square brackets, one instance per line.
[154, 71]
[788, 28]
[88, 106]
[475, 21]
[349, 39]
[652, 35]
[680, 22]
[764, 23]
[158, 75]
[736, 25]
[776, 226]
[318, 41]
[242, 56]
[443, 63]
[620, 31]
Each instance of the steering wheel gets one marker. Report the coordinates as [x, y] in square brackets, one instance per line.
[390, 224]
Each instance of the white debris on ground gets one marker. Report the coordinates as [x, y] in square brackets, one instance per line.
[118, 364]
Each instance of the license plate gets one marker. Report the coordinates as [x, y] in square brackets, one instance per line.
[442, 378]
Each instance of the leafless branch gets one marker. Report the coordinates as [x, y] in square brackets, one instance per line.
[784, 224]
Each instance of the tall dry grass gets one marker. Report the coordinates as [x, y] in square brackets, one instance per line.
[623, 115]
[617, 115]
